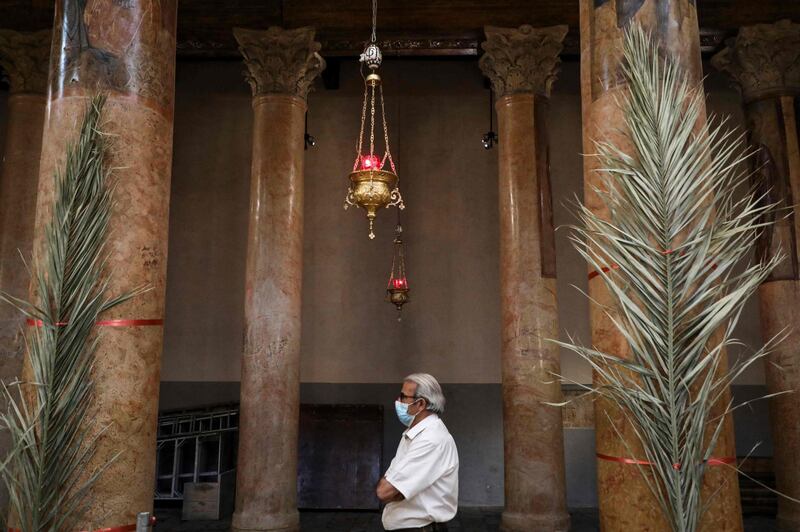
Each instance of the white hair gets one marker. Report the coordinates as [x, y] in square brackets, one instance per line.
[428, 388]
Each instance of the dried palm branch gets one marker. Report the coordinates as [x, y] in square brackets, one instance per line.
[673, 254]
[50, 419]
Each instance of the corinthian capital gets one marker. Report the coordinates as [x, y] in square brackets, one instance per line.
[522, 60]
[26, 59]
[764, 59]
[280, 61]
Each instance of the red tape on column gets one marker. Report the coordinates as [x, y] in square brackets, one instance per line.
[632, 461]
[605, 269]
[105, 323]
[629, 461]
[124, 528]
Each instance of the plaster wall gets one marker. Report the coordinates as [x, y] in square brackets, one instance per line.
[438, 111]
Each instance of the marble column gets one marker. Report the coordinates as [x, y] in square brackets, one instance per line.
[25, 57]
[281, 66]
[127, 51]
[522, 65]
[624, 499]
[764, 60]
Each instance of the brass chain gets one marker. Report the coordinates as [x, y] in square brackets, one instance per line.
[374, 20]
[386, 136]
[401, 268]
[359, 144]
[372, 122]
[394, 259]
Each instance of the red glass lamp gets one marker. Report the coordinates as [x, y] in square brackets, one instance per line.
[397, 290]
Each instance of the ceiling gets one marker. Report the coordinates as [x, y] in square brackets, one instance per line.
[405, 27]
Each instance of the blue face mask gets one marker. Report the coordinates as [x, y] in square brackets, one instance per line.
[402, 413]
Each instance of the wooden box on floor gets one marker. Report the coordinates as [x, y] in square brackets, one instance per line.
[209, 500]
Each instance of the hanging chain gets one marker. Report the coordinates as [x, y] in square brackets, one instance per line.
[388, 153]
[394, 259]
[374, 20]
[401, 269]
[398, 261]
[399, 222]
[359, 144]
[372, 122]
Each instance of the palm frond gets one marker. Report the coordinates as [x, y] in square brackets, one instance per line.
[49, 417]
[678, 233]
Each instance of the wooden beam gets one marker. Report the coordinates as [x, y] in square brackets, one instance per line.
[405, 27]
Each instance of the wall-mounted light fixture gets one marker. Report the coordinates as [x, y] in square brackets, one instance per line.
[490, 138]
[310, 141]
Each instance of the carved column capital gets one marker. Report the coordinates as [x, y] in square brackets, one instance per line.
[764, 59]
[25, 56]
[522, 60]
[280, 61]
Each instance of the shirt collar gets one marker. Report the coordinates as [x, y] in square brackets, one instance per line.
[419, 427]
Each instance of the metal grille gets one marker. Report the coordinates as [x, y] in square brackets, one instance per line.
[194, 446]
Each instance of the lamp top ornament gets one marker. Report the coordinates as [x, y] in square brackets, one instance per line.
[372, 184]
[371, 56]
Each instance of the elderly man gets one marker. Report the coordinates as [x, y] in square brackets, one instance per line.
[420, 488]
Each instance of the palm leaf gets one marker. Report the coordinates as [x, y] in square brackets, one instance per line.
[49, 417]
[678, 234]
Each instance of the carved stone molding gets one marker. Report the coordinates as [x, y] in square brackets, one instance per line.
[764, 59]
[403, 46]
[26, 59]
[280, 61]
[522, 60]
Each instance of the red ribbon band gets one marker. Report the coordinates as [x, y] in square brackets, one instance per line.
[125, 528]
[632, 461]
[105, 323]
[605, 269]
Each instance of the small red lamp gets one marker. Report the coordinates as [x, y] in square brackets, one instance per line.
[370, 162]
[397, 290]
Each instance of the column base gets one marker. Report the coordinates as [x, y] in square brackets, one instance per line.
[520, 522]
[264, 522]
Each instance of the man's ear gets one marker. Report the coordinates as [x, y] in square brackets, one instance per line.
[423, 405]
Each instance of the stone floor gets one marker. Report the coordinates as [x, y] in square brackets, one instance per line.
[467, 520]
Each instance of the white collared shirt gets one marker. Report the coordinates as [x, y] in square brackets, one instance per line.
[425, 471]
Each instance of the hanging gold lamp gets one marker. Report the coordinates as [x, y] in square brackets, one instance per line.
[372, 184]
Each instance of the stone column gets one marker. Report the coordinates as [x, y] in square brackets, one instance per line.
[281, 65]
[25, 57]
[625, 501]
[765, 61]
[127, 51]
[522, 65]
